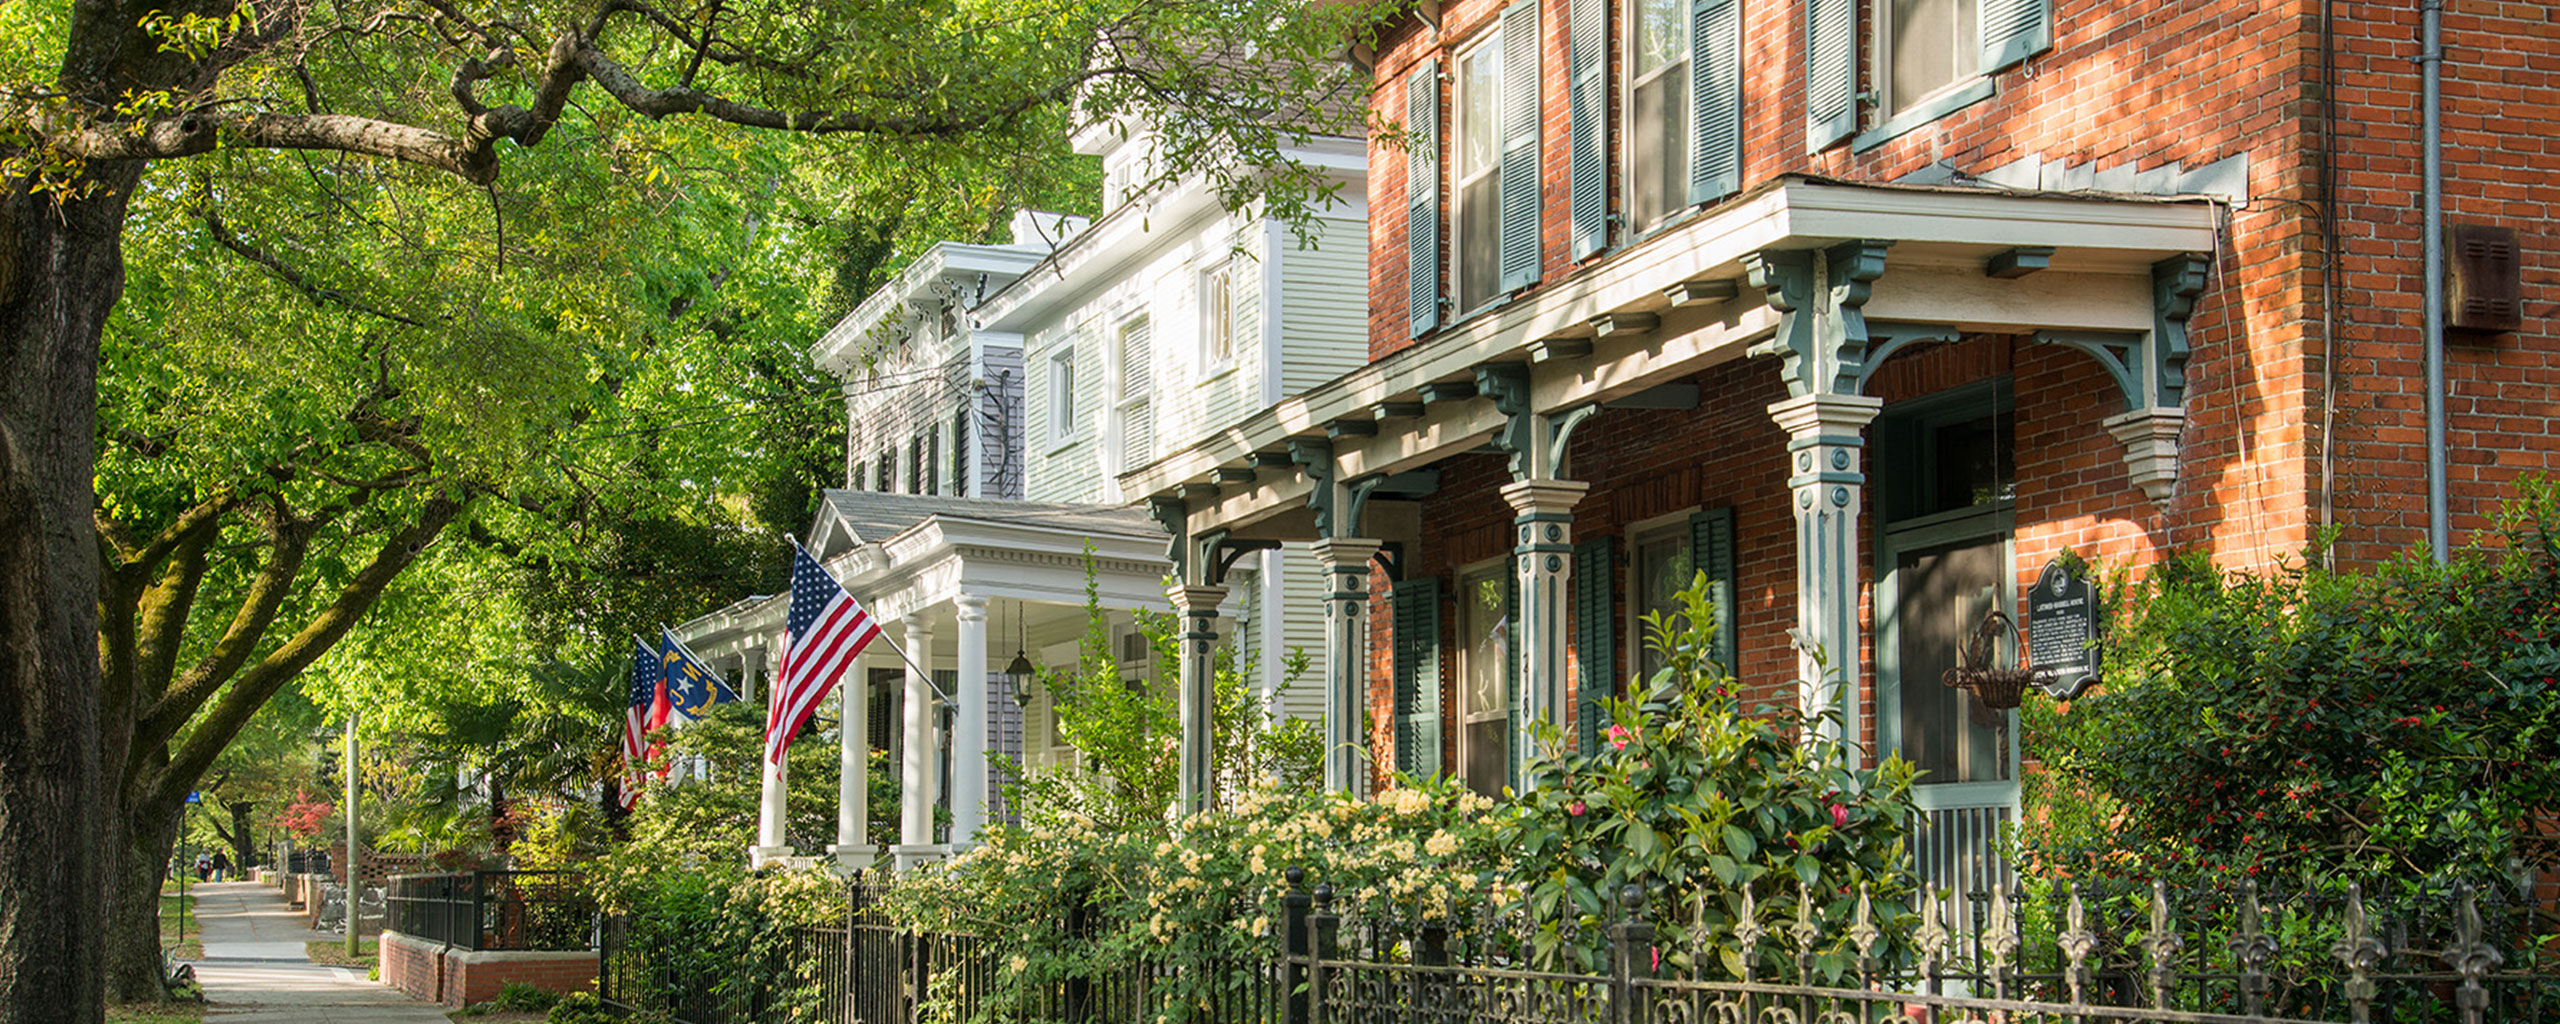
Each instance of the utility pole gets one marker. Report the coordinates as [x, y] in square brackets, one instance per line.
[355, 853]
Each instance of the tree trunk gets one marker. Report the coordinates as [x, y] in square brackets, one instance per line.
[244, 840]
[61, 272]
[133, 906]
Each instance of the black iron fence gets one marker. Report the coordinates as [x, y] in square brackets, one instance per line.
[2097, 954]
[493, 910]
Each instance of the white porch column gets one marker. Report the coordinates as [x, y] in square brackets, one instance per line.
[1543, 560]
[853, 780]
[772, 807]
[1824, 435]
[1197, 609]
[915, 790]
[969, 730]
[1346, 662]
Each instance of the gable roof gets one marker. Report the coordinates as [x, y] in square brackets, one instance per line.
[873, 516]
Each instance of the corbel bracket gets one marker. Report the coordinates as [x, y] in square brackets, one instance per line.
[1821, 298]
[1507, 384]
[1230, 551]
[1175, 516]
[1888, 337]
[1314, 456]
[1560, 428]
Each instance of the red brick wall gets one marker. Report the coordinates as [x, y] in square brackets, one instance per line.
[2292, 423]
[412, 966]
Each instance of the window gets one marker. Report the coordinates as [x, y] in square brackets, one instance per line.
[1657, 125]
[1137, 388]
[1478, 180]
[1927, 46]
[1217, 318]
[1484, 677]
[861, 477]
[886, 478]
[1661, 569]
[1062, 395]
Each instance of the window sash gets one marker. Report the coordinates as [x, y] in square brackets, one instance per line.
[1476, 229]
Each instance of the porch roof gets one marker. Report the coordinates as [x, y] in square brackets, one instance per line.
[1677, 302]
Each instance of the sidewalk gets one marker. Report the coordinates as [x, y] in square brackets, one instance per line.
[255, 970]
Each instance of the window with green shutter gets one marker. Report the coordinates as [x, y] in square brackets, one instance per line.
[1422, 198]
[1417, 676]
[1715, 99]
[1830, 71]
[1520, 136]
[1595, 630]
[1711, 551]
[1587, 119]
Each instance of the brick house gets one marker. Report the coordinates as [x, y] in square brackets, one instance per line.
[1868, 311]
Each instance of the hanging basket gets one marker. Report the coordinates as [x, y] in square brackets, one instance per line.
[1999, 689]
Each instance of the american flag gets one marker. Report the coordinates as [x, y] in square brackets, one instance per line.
[646, 678]
[824, 631]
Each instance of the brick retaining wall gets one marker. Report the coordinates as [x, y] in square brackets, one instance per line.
[461, 977]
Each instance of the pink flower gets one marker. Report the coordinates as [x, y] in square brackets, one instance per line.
[1577, 809]
[1839, 816]
[1619, 735]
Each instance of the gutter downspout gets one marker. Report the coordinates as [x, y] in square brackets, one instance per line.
[2431, 225]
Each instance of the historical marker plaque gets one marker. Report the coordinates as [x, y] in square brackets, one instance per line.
[2062, 630]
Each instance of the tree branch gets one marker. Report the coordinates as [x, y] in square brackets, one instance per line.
[267, 593]
[251, 690]
[223, 236]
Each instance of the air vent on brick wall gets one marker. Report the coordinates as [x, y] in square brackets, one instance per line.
[2484, 290]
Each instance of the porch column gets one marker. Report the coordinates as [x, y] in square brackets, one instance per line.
[1544, 564]
[853, 771]
[770, 846]
[1824, 435]
[915, 790]
[1346, 663]
[969, 729]
[1196, 608]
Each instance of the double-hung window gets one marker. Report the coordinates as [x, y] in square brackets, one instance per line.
[1484, 677]
[1062, 393]
[1657, 125]
[1137, 392]
[1477, 175]
[1931, 57]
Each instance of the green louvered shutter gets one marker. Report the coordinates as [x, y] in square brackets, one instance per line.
[1830, 71]
[1518, 116]
[2014, 30]
[1595, 622]
[1417, 668]
[1711, 550]
[1587, 53]
[1422, 198]
[1715, 99]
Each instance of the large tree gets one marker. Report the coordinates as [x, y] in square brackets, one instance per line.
[142, 624]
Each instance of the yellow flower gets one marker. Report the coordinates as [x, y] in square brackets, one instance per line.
[1441, 844]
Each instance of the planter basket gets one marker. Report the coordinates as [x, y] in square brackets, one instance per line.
[1999, 689]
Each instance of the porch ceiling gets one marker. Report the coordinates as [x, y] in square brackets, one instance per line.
[2097, 278]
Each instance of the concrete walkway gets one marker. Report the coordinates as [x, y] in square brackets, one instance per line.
[256, 971]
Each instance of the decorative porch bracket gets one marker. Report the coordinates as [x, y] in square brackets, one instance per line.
[2150, 370]
[1825, 348]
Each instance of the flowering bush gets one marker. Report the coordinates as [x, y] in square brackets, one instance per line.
[306, 816]
[1693, 801]
[1067, 897]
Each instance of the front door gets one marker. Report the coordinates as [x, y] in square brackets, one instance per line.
[1945, 562]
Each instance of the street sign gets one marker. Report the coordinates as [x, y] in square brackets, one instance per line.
[2062, 630]
[195, 797]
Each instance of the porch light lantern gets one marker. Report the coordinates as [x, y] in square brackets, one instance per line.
[1020, 670]
[1999, 689]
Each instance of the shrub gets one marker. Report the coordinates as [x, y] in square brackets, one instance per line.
[579, 1008]
[2394, 726]
[517, 995]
